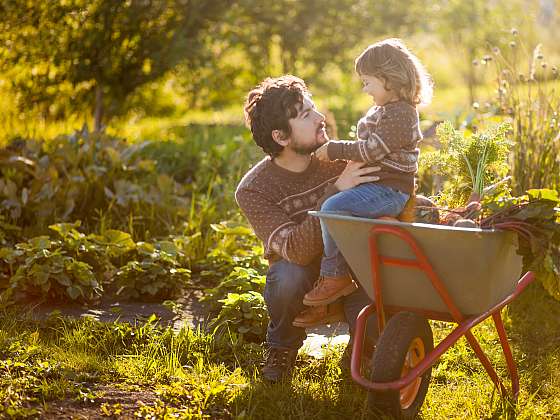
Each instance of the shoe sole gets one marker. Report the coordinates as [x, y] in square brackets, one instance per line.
[327, 320]
[343, 292]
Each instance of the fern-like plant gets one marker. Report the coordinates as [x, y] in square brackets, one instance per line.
[470, 162]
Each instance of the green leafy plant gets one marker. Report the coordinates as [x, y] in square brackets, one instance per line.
[68, 265]
[243, 314]
[96, 178]
[240, 280]
[470, 161]
[232, 245]
[153, 270]
[49, 271]
[535, 216]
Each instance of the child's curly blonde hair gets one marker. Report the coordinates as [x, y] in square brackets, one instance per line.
[399, 69]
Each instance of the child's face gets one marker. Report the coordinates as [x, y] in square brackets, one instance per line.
[375, 87]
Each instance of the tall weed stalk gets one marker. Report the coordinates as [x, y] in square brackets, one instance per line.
[527, 94]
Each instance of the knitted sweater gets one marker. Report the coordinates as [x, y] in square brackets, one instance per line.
[387, 135]
[276, 201]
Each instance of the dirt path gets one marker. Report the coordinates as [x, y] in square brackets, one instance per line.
[188, 311]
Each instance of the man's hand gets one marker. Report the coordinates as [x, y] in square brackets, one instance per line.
[321, 153]
[354, 174]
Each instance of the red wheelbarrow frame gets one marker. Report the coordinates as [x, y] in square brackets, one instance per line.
[465, 324]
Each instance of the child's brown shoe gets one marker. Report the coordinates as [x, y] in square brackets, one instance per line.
[328, 289]
[320, 315]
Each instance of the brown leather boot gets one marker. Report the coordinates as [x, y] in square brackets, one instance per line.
[278, 364]
[328, 289]
[320, 315]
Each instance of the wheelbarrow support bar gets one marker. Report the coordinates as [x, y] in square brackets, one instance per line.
[463, 328]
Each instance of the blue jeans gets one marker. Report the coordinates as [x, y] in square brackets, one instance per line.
[286, 284]
[365, 200]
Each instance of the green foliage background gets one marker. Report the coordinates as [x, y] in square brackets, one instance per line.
[142, 206]
[73, 59]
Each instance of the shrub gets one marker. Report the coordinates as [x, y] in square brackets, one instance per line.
[91, 177]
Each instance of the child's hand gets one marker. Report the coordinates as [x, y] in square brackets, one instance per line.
[321, 153]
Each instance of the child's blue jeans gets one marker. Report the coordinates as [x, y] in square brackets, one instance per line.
[365, 200]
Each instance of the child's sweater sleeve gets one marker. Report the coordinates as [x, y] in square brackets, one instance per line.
[381, 131]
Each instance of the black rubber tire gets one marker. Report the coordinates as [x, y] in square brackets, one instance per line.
[389, 358]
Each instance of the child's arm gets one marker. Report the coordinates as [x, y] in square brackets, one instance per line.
[321, 152]
[379, 133]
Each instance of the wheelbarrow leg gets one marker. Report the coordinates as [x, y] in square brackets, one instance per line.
[512, 368]
[485, 362]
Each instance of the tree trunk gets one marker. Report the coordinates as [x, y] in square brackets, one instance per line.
[98, 113]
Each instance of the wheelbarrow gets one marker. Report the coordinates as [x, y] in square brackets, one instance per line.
[417, 272]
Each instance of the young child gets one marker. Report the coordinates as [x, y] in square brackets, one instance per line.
[388, 137]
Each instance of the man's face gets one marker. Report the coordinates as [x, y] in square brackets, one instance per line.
[308, 128]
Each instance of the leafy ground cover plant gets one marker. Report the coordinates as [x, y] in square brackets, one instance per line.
[75, 266]
[240, 280]
[49, 270]
[243, 314]
[236, 302]
[153, 271]
[91, 177]
[121, 191]
[67, 265]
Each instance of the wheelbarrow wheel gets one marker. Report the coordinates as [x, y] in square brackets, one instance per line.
[405, 341]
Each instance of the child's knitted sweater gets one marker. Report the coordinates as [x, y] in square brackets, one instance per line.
[387, 135]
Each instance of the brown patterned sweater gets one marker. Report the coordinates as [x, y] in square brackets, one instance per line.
[387, 135]
[276, 201]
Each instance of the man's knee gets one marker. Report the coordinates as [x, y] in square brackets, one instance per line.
[287, 282]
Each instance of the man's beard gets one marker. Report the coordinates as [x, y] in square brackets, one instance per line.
[305, 150]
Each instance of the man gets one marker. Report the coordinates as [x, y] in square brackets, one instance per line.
[276, 195]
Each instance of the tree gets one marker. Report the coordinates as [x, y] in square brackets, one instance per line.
[262, 38]
[63, 56]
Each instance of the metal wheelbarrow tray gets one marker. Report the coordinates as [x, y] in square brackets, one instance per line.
[421, 271]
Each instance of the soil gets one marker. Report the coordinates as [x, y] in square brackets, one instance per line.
[118, 403]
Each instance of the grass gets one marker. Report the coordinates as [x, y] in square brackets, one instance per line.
[191, 374]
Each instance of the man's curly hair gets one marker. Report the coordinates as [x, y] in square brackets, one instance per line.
[269, 106]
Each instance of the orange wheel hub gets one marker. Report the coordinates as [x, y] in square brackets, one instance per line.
[415, 354]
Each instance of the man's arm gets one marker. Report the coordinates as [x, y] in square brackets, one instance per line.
[297, 243]
[302, 242]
